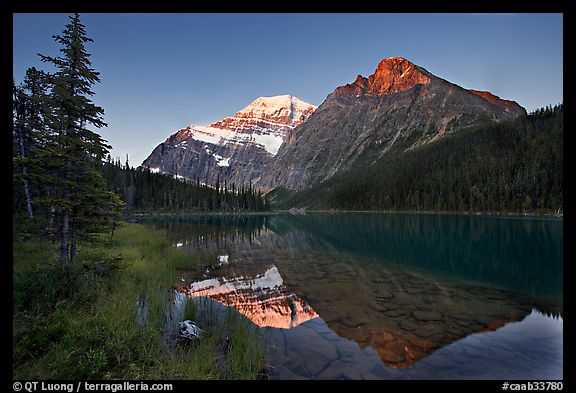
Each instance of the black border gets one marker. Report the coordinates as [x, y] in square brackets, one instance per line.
[404, 6]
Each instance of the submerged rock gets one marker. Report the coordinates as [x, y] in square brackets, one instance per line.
[425, 316]
[189, 330]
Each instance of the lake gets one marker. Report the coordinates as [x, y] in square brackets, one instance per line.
[386, 296]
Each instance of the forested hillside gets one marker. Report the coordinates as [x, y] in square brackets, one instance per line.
[145, 191]
[510, 166]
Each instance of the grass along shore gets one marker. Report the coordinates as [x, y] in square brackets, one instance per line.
[108, 318]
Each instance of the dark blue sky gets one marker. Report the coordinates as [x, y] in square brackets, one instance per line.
[162, 72]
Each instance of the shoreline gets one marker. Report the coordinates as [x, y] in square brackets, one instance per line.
[131, 337]
[432, 212]
[294, 211]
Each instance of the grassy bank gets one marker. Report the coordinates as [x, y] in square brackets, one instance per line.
[108, 316]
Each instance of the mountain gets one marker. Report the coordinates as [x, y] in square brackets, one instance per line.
[401, 106]
[284, 143]
[512, 166]
[235, 149]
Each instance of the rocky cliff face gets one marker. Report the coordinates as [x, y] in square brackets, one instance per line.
[392, 75]
[235, 149]
[401, 105]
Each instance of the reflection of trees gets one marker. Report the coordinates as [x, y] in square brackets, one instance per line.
[516, 253]
[213, 230]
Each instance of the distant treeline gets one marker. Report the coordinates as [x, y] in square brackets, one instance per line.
[509, 167]
[145, 191]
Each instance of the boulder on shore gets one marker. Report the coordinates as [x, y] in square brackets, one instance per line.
[189, 330]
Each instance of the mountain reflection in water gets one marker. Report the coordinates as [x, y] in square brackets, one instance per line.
[399, 287]
[262, 299]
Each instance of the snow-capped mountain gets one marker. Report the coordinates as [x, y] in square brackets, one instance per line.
[235, 149]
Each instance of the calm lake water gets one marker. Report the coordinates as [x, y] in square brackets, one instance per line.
[387, 296]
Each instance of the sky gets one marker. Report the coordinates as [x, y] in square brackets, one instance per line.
[162, 72]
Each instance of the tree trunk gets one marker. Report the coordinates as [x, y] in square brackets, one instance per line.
[64, 244]
[113, 229]
[25, 172]
[51, 213]
[72, 249]
[74, 235]
[27, 193]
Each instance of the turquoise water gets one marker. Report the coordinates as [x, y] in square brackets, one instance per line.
[387, 296]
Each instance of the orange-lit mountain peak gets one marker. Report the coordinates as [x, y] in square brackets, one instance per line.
[392, 75]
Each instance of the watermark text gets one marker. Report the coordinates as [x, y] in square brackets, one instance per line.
[537, 385]
[84, 386]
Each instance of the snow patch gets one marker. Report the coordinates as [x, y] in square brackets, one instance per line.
[271, 143]
[224, 162]
[267, 139]
[221, 161]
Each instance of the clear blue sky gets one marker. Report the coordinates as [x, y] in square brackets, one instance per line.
[162, 72]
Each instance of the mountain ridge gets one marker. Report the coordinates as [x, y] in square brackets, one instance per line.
[380, 111]
[283, 141]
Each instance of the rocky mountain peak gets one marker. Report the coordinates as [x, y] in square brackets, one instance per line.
[392, 75]
[285, 109]
[401, 106]
[269, 112]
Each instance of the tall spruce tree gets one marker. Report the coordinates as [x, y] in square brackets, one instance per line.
[29, 111]
[79, 198]
[21, 143]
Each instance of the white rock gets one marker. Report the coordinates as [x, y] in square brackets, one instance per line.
[189, 330]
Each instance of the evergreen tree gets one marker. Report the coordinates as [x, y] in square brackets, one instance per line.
[29, 113]
[21, 140]
[74, 158]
